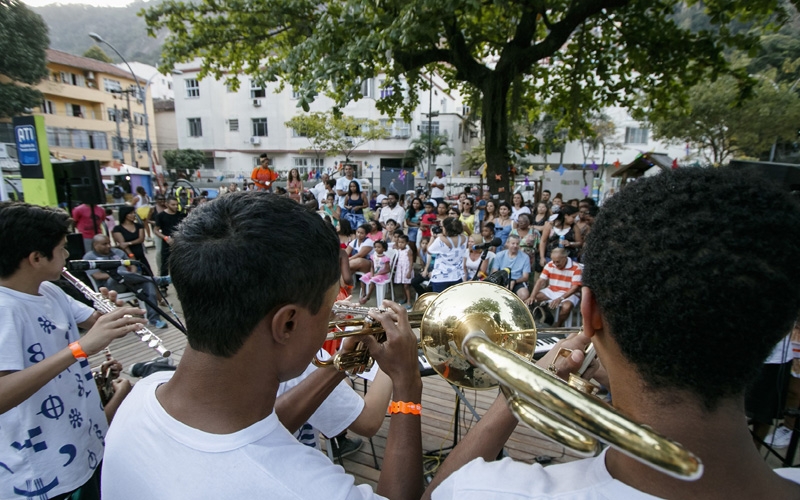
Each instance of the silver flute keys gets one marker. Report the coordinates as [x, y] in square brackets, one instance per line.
[106, 306]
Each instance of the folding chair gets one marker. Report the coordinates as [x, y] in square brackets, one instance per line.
[380, 289]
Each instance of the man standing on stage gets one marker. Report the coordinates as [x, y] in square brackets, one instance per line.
[165, 225]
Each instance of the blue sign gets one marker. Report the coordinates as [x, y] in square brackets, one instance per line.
[27, 146]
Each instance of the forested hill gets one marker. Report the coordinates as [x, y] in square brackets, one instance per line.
[70, 25]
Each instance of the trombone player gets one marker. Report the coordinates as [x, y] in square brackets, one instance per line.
[682, 309]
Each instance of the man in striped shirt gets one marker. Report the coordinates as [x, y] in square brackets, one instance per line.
[563, 278]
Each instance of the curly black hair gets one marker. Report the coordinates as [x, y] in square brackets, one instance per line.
[696, 272]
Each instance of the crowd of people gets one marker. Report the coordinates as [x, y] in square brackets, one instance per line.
[667, 294]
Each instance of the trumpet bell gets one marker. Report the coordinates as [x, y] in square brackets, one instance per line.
[467, 308]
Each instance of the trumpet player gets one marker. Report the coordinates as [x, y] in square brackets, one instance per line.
[256, 312]
[52, 424]
[682, 308]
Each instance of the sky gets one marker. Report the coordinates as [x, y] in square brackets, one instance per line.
[96, 3]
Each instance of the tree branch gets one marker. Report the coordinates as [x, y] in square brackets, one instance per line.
[561, 31]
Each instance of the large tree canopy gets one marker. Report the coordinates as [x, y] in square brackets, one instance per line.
[23, 41]
[512, 58]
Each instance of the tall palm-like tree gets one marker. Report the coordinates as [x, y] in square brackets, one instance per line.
[425, 144]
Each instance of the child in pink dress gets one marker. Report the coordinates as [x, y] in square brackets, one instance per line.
[403, 269]
[380, 271]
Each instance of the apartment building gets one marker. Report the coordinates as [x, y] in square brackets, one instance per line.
[235, 127]
[91, 110]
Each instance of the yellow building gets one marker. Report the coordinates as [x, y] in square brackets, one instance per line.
[81, 99]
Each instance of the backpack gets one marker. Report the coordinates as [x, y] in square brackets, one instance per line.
[117, 192]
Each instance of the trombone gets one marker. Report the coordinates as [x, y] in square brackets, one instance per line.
[478, 335]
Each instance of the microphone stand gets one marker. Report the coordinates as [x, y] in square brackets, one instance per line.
[139, 292]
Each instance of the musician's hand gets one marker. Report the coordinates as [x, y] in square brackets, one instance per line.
[112, 367]
[555, 303]
[121, 386]
[111, 295]
[529, 300]
[397, 356]
[110, 326]
[564, 365]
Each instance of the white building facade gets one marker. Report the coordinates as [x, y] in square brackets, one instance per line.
[235, 127]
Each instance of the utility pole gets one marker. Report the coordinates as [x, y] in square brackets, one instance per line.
[130, 129]
[119, 134]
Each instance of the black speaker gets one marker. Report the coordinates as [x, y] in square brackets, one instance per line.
[82, 180]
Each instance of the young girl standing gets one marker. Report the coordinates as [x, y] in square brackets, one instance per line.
[379, 273]
[403, 269]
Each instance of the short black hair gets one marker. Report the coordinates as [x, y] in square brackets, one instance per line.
[546, 191]
[392, 193]
[381, 243]
[235, 260]
[398, 232]
[696, 271]
[403, 237]
[26, 228]
[489, 225]
[124, 211]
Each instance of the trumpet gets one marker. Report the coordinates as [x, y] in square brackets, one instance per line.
[359, 360]
[105, 306]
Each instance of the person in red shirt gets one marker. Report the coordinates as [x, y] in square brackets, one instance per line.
[263, 176]
[87, 225]
[427, 220]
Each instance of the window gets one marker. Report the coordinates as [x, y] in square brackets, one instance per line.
[386, 90]
[368, 88]
[318, 162]
[48, 107]
[99, 140]
[192, 88]
[295, 133]
[301, 162]
[260, 127]
[195, 127]
[75, 110]
[256, 92]
[80, 139]
[444, 106]
[635, 135]
[66, 77]
[233, 125]
[77, 80]
[138, 118]
[295, 94]
[112, 114]
[397, 128]
[429, 127]
[111, 85]
[465, 110]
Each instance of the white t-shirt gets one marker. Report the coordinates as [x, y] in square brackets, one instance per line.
[149, 454]
[398, 214]
[516, 211]
[343, 184]
[334, 415]
[781, 353]
[52, 441]
[586, 479]
[438, 192]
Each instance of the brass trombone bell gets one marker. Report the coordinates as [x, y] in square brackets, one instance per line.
[475, 333]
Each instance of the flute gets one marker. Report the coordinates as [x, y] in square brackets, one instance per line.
[106, 306]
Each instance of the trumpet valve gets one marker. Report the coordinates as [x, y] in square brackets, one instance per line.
[583, 385]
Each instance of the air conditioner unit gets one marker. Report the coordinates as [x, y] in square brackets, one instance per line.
[257, 103]
[255, 140]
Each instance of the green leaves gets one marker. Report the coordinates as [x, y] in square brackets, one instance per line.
[183, 162]
[23, 40]
[334, 133]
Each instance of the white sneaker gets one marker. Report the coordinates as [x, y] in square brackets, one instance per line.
[780, 437]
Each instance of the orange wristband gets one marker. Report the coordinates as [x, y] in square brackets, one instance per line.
[77, 351]
[403, 407]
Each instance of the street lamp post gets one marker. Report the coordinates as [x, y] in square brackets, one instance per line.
[97, 38]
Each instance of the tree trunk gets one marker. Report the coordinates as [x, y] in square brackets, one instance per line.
[494, 117]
